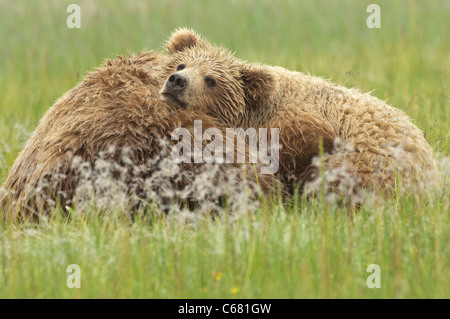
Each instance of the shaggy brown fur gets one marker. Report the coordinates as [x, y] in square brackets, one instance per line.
[365, 140]
[113, 109]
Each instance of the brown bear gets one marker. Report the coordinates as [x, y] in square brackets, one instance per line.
[113, 121]
[367, 144]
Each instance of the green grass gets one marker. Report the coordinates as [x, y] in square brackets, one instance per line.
[277, 253]
[305, 250]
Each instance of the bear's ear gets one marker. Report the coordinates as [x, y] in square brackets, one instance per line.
[259, 83]
[182, 39]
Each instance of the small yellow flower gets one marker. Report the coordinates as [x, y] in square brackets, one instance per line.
[331, 276]
[203, 289]
[218, 276]
[234, 290]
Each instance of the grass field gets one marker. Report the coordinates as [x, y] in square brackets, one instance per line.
[304, 250]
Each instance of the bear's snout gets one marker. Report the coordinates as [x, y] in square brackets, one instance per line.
[176, 82]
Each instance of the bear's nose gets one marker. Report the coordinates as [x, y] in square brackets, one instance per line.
[176, 82]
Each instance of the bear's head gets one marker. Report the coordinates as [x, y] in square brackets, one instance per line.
[210, 79]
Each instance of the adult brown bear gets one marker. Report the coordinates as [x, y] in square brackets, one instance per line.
[112, 123]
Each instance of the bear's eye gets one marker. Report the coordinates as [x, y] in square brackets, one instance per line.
[210, 81]
[181, 67]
